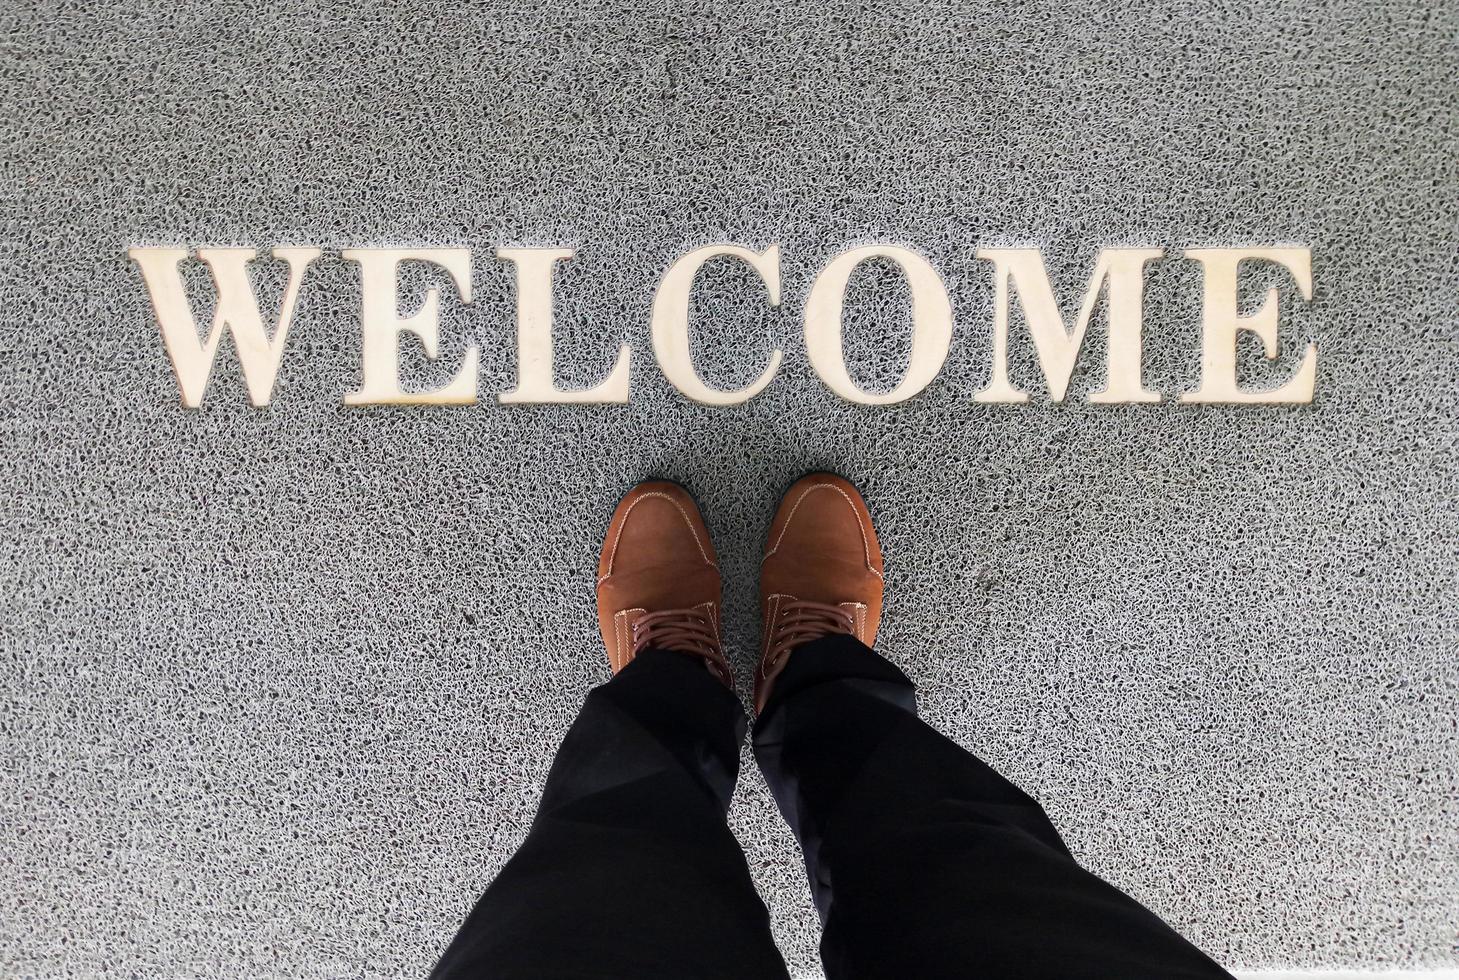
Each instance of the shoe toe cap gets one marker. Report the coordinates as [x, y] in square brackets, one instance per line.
[657, 525]
[823, 518]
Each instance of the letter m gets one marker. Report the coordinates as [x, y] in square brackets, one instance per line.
[1119, 272]
[236, 311]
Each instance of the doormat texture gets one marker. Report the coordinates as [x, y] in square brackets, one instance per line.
[279, 687]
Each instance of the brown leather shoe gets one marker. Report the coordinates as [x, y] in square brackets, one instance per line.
[658, 583]
[822, 573]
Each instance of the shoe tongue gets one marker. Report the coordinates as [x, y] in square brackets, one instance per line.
[833, 617]
[690, 631]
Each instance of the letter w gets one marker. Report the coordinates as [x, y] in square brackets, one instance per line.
[236, 311]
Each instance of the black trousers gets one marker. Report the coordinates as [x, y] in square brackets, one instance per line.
[924, 863]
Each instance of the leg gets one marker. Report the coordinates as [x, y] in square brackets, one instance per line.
[924, 861]
[629, 870]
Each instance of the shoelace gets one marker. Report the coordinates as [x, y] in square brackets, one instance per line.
[801, 621]
[683, 631]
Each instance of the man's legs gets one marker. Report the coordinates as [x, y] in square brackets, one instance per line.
[629, 869]
[923, 861]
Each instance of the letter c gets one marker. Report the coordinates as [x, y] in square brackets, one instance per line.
[670, 325]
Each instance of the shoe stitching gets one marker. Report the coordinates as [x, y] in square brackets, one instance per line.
[620, 618]
[770, 618]
[618, 535]
[710, 615]
[617, 656]
[617, 645]
[712, 612]
[861, 525]
[709, 608]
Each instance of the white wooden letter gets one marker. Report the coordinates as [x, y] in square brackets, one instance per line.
[931, 323]
[1220, 324]
[1057, 348]
[671, 322]
[235, 310]
[534, 337]
[381, 326]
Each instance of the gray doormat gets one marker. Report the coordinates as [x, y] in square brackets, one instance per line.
[280, 686]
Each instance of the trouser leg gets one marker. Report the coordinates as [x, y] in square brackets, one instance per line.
[629, 870]
[923, 861]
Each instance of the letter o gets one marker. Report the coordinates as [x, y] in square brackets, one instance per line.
[931, 324]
